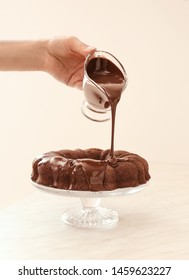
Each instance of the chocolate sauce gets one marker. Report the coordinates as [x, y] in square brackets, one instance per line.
[110, 78]
[94, 170]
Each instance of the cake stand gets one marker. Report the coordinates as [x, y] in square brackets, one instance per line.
[90, 214]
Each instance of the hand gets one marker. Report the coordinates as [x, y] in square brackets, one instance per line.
[65, 60]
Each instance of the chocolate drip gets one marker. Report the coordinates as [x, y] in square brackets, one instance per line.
[94, 171]
[106, 74]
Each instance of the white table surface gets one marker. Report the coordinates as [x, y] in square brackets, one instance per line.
[153, 224]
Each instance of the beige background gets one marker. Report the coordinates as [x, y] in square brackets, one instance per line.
[39, 114]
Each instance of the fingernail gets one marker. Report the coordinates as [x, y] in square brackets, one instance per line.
[90, 48]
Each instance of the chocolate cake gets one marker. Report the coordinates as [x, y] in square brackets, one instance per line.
[90, 170]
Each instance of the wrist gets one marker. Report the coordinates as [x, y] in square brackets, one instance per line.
[39, 52]
[23, 55]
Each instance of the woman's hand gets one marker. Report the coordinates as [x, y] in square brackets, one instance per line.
[65, 60]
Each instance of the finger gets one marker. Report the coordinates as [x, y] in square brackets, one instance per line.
[78, 84]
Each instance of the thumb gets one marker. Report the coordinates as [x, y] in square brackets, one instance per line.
[78, 46]
[88, 50]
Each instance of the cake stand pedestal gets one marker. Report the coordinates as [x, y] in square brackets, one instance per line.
[90, 214]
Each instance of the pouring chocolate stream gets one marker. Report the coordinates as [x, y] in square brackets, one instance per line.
[110, 78]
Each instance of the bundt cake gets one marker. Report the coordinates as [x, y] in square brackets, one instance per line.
[89, 170]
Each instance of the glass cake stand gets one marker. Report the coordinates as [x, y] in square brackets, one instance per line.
[90, 214]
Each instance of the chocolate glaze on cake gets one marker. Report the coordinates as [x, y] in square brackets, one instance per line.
[89, 170]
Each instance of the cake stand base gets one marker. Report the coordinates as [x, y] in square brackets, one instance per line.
[90, 215]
